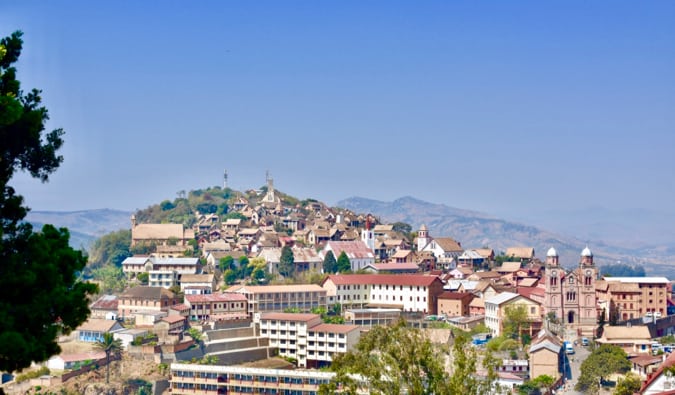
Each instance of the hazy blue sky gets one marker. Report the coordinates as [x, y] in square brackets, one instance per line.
[503, 107]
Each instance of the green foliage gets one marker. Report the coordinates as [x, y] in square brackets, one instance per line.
[500, 259]
[396, 359]
[166, 205]
[603, 361]
[515, 321]
[110, 250]
[329, 263]
[110, 278]
[33, 374]
[195, 334]
[536, 385]
[669, 339]
[143, 278]
[227, 263]
[629, 385]
[207, 208]
[343, 263]
[235, 215]
[287, 262]
[229, 276]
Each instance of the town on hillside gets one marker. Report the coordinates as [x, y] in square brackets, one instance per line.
[261, 299]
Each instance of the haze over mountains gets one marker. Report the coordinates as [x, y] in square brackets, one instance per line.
[604, 231]
[474, 229]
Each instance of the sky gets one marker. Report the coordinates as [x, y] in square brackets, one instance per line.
[501, 107]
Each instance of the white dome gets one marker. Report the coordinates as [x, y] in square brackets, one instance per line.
[586, 252]
[552, 252]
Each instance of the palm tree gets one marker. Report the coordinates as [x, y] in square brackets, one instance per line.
[109, 345]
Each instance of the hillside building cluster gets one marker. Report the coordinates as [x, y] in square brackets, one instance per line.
[393, 273]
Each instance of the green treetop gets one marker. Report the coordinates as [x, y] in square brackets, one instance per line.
[40, 295]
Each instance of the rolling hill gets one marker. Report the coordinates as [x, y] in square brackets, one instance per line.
[474, 229]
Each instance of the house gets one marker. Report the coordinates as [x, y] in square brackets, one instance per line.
[139, 299]
[104, 308]
[471, 258]
[71, 361]
[195, 284]
[546, 355]
[93, 329]
[454, 304]
[490, 276]
[169, 328]
[662, 381]
[165, 234]
[218, 306]
[496, 311]
[132, 266]
[409, 292]
[358, 253]
[523, 254]
[306, 338]
[635, 339]
[644, 365]
[127, 336]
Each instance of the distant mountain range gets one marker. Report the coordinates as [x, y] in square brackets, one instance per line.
[475, 229]
[85, 226]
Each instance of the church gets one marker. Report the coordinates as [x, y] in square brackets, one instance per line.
[570, 294]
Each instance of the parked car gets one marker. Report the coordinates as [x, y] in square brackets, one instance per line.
[584, 341]
[657, 314]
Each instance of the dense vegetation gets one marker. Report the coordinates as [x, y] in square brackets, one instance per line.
[397, 359]
[603, 361]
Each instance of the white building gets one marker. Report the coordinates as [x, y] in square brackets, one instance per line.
[306, 338]
[407, 292]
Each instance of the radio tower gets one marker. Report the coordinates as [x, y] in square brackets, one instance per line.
[225, 179]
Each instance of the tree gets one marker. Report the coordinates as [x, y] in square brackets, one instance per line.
[111, 278]
[628, 385]
[343, 264]
[287, 262]
[515, 321]
[397, 359]
[229, 276]
[602, 362]
[109, 345]
[226, 263]
[143, 278]
[110, 249]
[39, 264]
[329, 263]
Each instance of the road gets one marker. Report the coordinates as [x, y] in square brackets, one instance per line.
[573, 369]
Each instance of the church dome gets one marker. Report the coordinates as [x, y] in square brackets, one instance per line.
[423, 227]
[552, 252]
[586, 252]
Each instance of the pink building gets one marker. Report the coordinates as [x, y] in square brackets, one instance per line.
[570, 295]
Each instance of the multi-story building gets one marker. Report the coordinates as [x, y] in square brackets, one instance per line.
[358, 252]
[134, 265]
[496, 309]
[270, 298]
[218, 306]
[411, 292]
[634, 297]
[145, 299]
[193, 379]
[306, 338]
[570, 295]
[162, 278]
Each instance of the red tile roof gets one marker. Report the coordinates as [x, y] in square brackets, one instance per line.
[353, 249]
[172, 319]
[334, 328]
[289, 316]
[383, 279]
[465, 297]
[219, 297]
[179, 307]
[106, 302]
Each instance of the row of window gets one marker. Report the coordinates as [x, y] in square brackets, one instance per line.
[217, 306]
